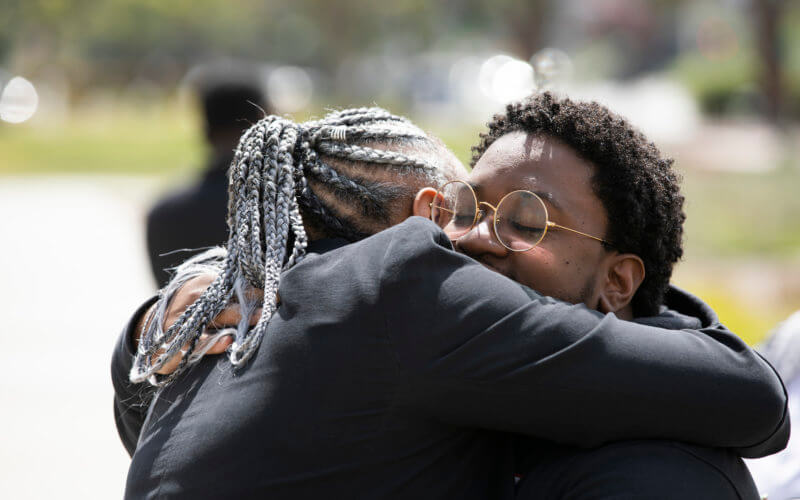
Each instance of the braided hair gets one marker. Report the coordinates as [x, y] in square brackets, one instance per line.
[341, 176]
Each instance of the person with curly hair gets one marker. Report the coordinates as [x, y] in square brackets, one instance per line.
[600, 157]
[571, 200]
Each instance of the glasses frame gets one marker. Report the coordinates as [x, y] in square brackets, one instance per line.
[479, 213]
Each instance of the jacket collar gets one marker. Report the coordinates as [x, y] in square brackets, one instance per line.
[325, 245]
[681, 310]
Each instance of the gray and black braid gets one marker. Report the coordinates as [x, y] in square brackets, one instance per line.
[270, 194]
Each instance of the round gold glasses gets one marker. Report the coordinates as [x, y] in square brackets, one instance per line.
[520, 219]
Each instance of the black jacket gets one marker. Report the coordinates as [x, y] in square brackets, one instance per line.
[394, 367]
[188, 221]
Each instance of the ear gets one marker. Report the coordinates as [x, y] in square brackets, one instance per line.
[624, 275]
[422, 202]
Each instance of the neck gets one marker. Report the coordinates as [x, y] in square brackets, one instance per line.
[625, 313]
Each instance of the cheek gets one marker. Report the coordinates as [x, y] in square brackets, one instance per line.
[539, 269]
[556, 272]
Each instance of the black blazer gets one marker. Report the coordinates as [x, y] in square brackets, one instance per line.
[188, 221]
[394, 367]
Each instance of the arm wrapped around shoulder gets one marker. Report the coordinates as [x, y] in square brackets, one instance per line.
[475, 350]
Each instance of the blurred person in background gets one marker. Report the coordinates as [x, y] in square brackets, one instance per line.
[193, 219]
[779, 475]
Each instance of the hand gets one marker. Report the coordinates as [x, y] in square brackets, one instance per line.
[186, 296]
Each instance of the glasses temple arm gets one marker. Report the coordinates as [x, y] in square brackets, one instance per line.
[601, 240]
[442, 208]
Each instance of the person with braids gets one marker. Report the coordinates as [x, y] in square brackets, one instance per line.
[382, 364]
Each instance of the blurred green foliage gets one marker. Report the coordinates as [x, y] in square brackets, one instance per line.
[752, 322]
[726, 81]
[720, 86]
[791, 57]
[126, 140]
[736, 213]
[111, 42]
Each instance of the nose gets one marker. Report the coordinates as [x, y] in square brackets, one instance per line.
[481, 239]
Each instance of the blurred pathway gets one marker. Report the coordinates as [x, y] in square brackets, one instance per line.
[73, 266]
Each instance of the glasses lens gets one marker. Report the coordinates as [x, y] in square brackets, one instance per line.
[453, 209]
[520, 220]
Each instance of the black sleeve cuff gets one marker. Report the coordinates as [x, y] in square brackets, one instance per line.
[130, 400]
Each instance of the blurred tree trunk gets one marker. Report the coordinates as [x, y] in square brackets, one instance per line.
[766, 18]
[526, 21]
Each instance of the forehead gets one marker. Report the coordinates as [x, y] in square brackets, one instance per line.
[539, 163]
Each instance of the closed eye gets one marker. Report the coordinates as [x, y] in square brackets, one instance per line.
[524, 228]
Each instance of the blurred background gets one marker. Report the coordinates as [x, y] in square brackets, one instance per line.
[100, 118]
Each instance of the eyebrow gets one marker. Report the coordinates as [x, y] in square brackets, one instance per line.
[545, 195]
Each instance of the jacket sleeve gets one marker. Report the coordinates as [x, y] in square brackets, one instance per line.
[473, 349]
[130, 400]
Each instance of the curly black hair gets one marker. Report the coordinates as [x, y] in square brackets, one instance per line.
[636, 184]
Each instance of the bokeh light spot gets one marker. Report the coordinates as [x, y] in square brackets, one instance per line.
[18, 100]
[551, 67]
[290, 89]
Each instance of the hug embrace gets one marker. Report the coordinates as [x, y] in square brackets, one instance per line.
[383, 323]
